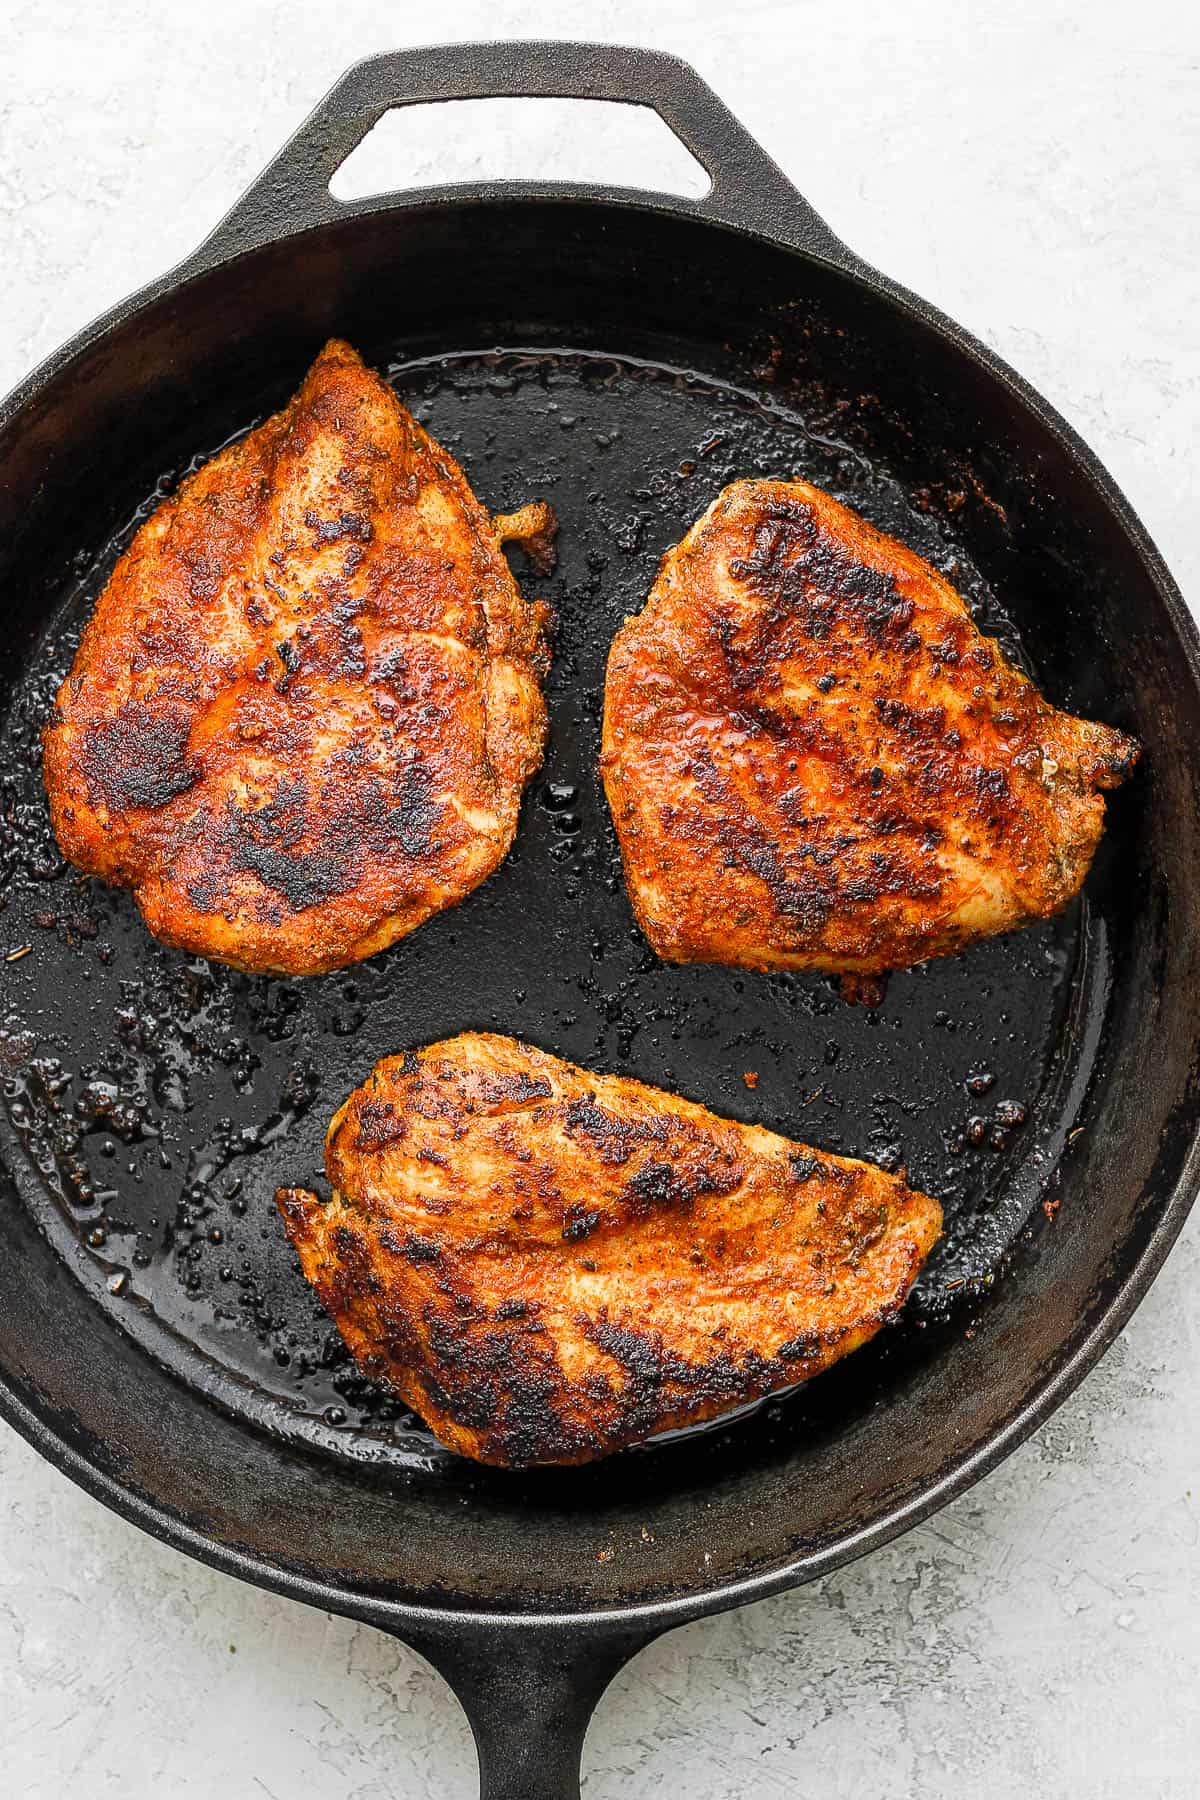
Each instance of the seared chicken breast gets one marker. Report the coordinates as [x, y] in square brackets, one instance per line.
[305, 707]
[548, 1264]
[814, 759]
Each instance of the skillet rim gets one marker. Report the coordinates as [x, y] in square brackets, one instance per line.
[407, 1618]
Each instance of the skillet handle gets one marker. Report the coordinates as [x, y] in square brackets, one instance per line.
[748, 189]
[529, 1692]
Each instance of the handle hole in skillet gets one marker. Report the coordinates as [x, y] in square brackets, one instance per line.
[589, 141]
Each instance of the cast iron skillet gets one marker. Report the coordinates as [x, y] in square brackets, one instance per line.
[626, 354]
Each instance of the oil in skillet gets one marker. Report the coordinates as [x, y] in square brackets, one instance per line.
[161, 1099]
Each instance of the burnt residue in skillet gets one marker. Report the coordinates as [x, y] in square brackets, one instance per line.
[160, 1100]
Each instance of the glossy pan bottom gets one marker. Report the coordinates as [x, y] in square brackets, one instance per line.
[154, 1326]
[168, 1097]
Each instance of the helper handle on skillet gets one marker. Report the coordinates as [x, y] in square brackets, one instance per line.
[748, 190]
[529, 1692]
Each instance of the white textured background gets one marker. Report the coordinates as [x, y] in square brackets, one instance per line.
[1034, 167]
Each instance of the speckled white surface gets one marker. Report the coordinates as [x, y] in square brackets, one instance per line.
[1032, 167]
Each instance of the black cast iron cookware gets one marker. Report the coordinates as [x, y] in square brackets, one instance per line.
[625, 354]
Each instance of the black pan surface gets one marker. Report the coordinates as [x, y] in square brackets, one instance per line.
[625, 356]
[162, 1099]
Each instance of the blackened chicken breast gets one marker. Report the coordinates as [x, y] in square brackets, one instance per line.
[815, 760]
[548, 1264]
[308, 700]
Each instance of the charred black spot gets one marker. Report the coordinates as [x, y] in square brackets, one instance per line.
[799, 893]
[346, 525]
[517, 1089]
[658, 1379]
[801, 896]
[639, 1353]
[657, 1184]
[909, 722]
[347, 1243]
[989, 784]
[532, 1429]
[406, 816]
[379, 1124]
[580, 1221]
[259, 843]
[139, 758]
[420, 1249]
[310, 853]
[289, 656]
[352, 656]
[203, 892]
[812, 584]
[615, 1139]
